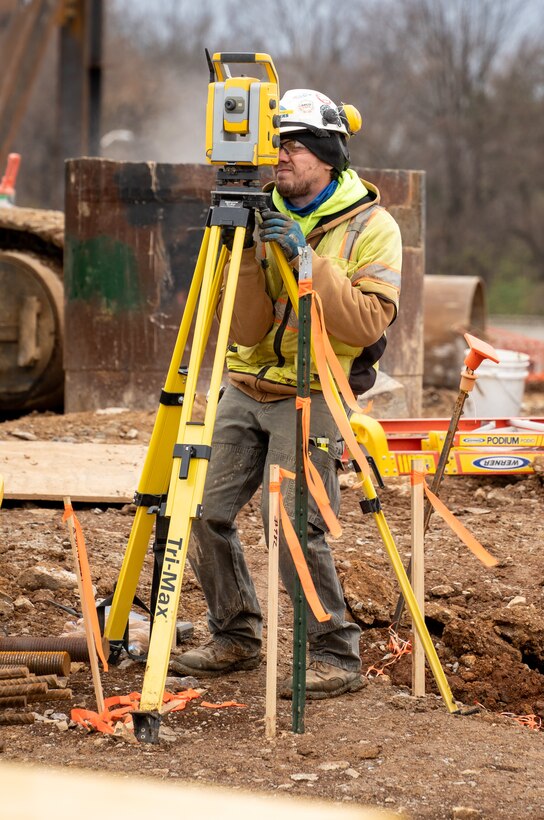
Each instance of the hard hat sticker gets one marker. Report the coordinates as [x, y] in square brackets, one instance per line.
[323, 99]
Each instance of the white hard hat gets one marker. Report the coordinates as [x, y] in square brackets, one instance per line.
[302, 109]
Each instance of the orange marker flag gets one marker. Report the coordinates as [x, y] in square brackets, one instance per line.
[299, 560]
[87, 602]
[459, 529]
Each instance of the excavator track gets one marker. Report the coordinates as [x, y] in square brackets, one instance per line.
[31, 309]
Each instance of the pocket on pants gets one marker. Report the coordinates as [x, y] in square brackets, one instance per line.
[325, 460]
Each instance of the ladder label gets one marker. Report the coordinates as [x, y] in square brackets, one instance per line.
[502, 462]
[522, 440]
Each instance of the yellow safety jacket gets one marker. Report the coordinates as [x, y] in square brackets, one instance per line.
[356, 268]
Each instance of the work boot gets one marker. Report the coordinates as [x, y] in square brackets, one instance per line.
[323, 680]
[214, 659]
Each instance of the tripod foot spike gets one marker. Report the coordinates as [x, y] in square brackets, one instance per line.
[472, 710]
[146, 726]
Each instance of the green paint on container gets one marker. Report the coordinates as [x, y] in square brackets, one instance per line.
[103, 270]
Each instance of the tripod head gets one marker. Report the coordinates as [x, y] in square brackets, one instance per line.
[242, 115]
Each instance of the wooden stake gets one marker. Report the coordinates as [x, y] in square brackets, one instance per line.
[85, 605]
[418, 578]
[272, 628]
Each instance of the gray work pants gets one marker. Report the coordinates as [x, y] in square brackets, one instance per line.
[248, 437]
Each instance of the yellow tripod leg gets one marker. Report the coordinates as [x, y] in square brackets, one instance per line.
[409, 597]
[383, 528]
[188, 475]
[157, 465]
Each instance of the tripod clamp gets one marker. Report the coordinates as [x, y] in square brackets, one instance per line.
[231, 205]
[186, 452]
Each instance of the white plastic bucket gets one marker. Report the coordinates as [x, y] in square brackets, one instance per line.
[499, 388]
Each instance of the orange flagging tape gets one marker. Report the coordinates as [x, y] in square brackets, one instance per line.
[527, 721]
[86, 582]
[183, 697]
[331, 357]
[397, 648]
[313, 479]
[224, 705]
[91, 721]
[325, 355]
[417, 477]
[299, 559]
[459, 529]
[105, 721]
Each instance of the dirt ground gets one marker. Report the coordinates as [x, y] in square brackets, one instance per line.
[378, 747]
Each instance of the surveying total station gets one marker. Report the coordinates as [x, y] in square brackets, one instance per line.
[242, 134]
[242, 115]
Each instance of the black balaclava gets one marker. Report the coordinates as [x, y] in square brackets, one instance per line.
[332, 149]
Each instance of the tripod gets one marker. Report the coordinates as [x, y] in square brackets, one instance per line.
[174, 471]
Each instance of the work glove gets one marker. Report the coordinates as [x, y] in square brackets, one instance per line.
[277, 227]
[227, 233]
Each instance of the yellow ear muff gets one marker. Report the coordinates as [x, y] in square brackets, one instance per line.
[353, 117]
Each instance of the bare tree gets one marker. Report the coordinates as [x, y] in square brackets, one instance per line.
[448, 86]
[442, 85]
[518, 160]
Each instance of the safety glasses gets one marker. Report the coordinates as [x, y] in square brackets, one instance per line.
[292, 147]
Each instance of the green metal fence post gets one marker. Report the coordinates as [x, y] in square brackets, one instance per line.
[301, 496]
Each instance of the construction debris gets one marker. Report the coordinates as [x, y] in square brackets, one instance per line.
[16, 718]
[76, 647]
[41, 663]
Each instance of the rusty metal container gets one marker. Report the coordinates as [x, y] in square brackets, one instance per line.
[453, 305]
[133, 232]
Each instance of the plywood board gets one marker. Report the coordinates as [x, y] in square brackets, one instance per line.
[49, 470]
[23, 788]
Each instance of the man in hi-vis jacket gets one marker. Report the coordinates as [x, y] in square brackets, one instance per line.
[356, 267]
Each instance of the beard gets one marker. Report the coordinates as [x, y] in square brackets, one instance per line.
[301, 183]
[292, 188]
